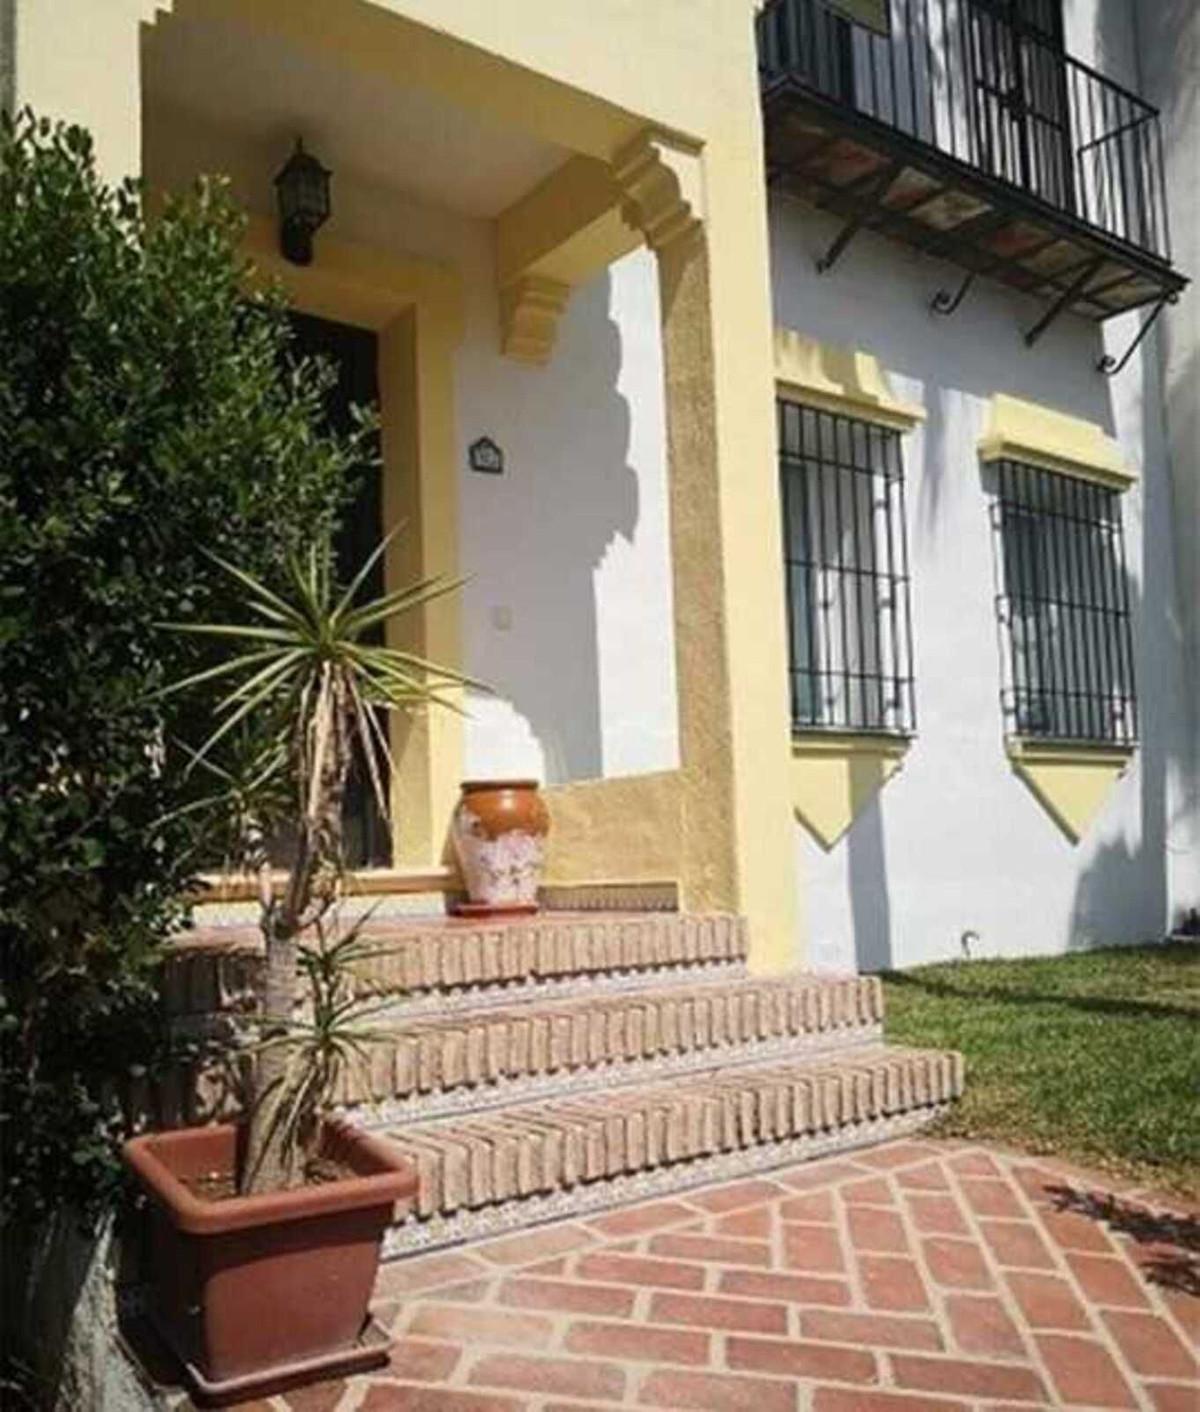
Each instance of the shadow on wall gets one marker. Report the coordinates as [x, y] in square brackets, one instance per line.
[870, 899]
[579, 493]
[1120, 871]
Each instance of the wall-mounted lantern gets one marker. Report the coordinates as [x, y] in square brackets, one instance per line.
[302, 191]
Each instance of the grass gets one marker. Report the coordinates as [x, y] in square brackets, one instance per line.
[1093, 1056]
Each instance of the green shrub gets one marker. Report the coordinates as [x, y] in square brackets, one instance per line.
[149, 416]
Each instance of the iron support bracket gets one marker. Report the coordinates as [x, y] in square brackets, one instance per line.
[1064, 300]
[875, 195]
[945, 303]
[1108, 365]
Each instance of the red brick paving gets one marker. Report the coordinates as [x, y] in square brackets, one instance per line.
[916, 1277]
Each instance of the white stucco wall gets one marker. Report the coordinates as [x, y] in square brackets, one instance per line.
[956, 842]
[568, 613]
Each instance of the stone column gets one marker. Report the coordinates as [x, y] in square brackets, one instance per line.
[737, 829]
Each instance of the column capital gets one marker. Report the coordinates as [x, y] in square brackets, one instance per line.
[662, 181]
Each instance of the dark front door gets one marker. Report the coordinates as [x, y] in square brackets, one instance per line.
[354, 353]
[1020, 109]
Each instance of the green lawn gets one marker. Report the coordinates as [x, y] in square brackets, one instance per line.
[1093, 1056]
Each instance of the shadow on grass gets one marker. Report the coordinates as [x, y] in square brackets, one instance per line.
[1177, 1269]
[1090, 1004]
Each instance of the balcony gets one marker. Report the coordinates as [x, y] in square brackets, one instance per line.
[962, 127]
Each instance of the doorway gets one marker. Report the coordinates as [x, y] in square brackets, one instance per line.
[1022, 108]
[354, 355]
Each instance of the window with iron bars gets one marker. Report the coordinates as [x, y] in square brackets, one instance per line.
[1064, 608]
[846, 559]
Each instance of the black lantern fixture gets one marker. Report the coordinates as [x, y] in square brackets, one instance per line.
[302, 191]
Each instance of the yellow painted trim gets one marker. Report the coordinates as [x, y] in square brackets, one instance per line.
[416, 307]
[1040, 436]
[835, 775]
[374, 38]
[628, 828]
[568, 228]
[837, 379]
[356, 283]
[1071, 781]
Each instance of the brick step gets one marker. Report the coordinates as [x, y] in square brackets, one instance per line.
[437, 963]
[515, 1166]
[423, 1065]
[453, 955]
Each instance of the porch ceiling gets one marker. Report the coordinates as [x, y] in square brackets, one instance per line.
[403, 137]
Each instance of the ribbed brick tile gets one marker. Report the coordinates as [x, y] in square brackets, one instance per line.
[389, 1397]
[1173, 1397]
[794, 1289]
[1083, 1371]
[651, 1217]
[755, 1224]
[1152, 1347]
[831, 1399]
[1047, 1302]
[793, 1359]
[817, 1249]
[566, 1296]
[1107, 1280]
[466, 1324]
[716, 1392]
[967, 1379]
[710, 1249]
[1017, 1243]
[872, 1330]
[562, 1377]
[640, 1270]
[737, 1194]
[638, 1343]
[716, 1313]
[991, 1198]
[872, 1191]
[928, 1176]
[816, 1206]
[419, 1361]
[1074, 1232]
[980, 1324]
[892, 1283]
[936, 1215]
[877, 1231]
[956, 1264]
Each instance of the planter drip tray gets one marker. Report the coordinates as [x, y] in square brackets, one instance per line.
[369, 1352]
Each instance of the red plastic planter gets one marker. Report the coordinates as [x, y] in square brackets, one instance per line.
[258, 1293]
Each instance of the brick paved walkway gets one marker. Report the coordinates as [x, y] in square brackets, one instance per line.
[916, 1277]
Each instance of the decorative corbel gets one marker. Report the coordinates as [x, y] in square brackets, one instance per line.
[530, 309]
[661, 180]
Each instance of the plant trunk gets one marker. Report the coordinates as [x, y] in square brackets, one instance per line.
[275, 1150]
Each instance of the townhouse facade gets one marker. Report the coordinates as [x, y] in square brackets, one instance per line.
[808, 391]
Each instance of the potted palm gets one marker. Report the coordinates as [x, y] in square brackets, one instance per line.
[266, 1234]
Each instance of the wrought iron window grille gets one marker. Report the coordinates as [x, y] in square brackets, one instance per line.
[846, 562]
[1063, 608]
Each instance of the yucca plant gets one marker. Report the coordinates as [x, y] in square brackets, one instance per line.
[310, 675]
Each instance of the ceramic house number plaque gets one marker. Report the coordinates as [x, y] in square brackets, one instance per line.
[484, 455]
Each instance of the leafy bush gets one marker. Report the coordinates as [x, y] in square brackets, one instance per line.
[149, 416]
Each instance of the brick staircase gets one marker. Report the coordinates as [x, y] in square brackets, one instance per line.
[561, 1064]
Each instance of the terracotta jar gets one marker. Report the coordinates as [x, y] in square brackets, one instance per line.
[499, 830]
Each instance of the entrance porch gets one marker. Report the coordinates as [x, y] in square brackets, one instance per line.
[541, 268]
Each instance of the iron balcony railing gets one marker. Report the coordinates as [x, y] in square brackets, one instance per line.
[980, 82]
